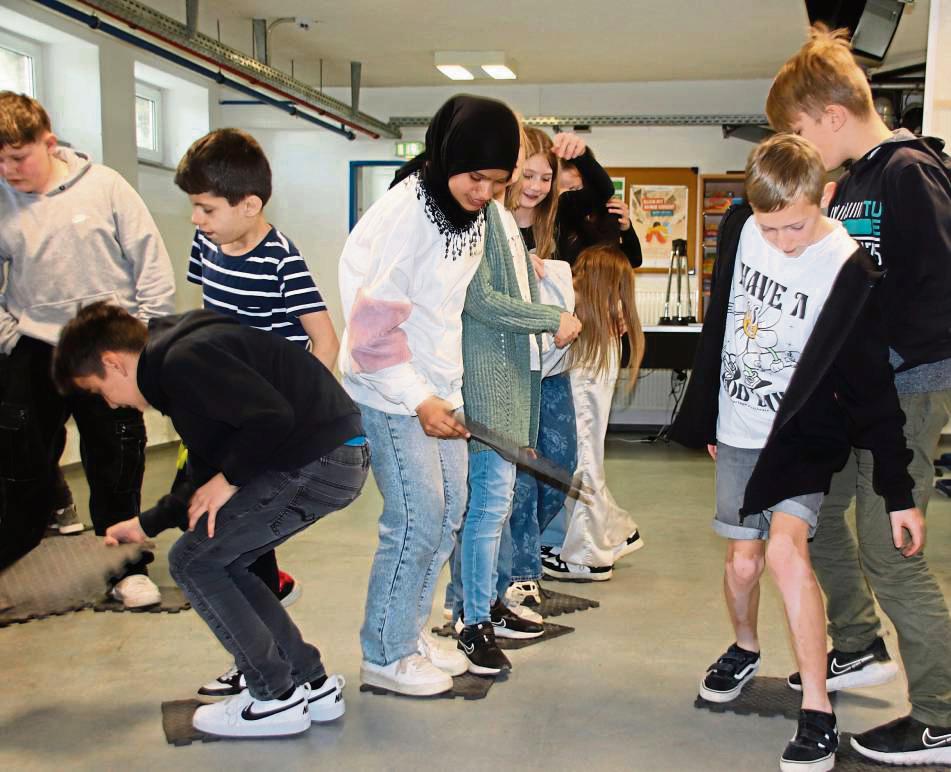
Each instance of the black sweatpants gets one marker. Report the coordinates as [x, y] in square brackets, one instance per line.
[32, 417]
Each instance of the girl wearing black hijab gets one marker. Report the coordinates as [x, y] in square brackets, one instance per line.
[403, 277]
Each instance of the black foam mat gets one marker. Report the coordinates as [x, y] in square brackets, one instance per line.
[551, 631]
[557, 603]
[850, 760]
[468, 686]
[173, 601]
[62, 574]
[763, 696]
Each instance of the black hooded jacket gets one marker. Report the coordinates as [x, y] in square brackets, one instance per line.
[842, 392]
[243, 401]
[896, 202]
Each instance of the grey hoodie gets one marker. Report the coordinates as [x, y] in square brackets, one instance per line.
[90, 238]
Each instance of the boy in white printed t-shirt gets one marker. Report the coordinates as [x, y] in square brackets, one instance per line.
[791, 368]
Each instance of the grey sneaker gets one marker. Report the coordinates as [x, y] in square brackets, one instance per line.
[66, 521]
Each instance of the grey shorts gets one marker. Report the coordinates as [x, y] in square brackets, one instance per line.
[734, 468]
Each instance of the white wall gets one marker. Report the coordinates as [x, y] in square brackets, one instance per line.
[311, 166]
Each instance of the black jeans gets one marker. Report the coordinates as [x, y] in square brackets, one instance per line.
[32, 417]
[214, 573]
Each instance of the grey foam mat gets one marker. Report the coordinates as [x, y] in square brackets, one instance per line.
[173, 601]
[763, 696]
[847, 759]
[557, 603]
[551, 631]
[62, 574]
[468, 686]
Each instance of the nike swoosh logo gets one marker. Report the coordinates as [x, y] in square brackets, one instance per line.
[249, 715]
[469, 648]
[500, 623]
[838, 669]
[320, 696]
[930, 741]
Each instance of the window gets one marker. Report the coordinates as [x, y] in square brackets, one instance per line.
[148, 122]
[19, 64]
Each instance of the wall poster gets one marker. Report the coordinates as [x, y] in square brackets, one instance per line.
[658, 216]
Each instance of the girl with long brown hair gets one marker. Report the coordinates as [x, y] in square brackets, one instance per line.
[598, 531]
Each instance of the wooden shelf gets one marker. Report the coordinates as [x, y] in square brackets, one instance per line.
[711, 185]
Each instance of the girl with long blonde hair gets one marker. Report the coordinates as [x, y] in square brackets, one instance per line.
[597, 531]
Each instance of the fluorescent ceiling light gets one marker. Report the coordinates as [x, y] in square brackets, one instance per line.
[455, 71]
[468, 65]
[498, 71]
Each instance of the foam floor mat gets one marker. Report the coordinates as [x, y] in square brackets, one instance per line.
[173, 601]
[763, 696]
[847, 759]
[468, 686]
[62, 574]
[551, 631]
[557, 603]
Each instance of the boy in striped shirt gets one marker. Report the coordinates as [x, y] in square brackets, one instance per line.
[251, 271]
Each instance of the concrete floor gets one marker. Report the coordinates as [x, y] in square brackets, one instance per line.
[84, 690]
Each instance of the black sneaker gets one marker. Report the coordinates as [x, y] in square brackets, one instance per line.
[485, 657]
[727, 676]
[906, 741]
[509, 625]
[852, 670]
[814, 746]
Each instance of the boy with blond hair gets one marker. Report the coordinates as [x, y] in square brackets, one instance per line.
[790, 367]
[71, 232]
[895, 199]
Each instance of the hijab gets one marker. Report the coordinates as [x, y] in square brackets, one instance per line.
[466, 134]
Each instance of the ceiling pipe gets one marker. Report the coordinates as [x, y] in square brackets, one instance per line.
[97, 24]
[355, 68]
[191, 17]
[263, 78]
[259, 33]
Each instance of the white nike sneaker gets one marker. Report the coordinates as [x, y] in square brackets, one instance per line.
[413, 675]
[244, 716]
[450, 661]
[524, 612]
[631, 544]
[136, 591]
[228, 683]
[326, 703]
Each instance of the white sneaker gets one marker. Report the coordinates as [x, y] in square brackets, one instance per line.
[228, 683]
[524, 612]
[413, 675]
[450, 661]
[244, 716]
[136, 591]
[523, 594]
[559, 569]
[326, 703]
[633, 543]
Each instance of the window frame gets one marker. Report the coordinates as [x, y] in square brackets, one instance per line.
[155, 95]
[33, 49]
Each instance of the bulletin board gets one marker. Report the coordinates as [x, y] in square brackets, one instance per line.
[669, 184]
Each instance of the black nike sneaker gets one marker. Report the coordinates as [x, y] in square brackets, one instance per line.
[485, 657]
[906, 741]
[510, 625]
[853, 670]
[727, 676]
[814, 746]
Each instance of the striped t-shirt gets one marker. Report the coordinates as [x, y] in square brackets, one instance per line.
[268, 288]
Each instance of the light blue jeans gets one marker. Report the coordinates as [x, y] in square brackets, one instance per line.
[423, 483]
[491, 488]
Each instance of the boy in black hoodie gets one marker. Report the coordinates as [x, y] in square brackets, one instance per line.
[275, 445]
[895, 199]
[790, 366]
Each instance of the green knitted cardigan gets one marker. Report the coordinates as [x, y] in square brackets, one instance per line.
[499, 387]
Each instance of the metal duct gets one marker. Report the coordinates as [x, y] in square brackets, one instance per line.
[261, 77]
[259, 32]
[568, 121]
[191, 17]
[355, 69]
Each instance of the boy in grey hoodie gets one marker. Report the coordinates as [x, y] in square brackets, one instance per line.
[71, 232]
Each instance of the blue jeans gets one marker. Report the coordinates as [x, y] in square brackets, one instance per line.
[423, 483]
[239, 608]
[491, 487]
[537, 502]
